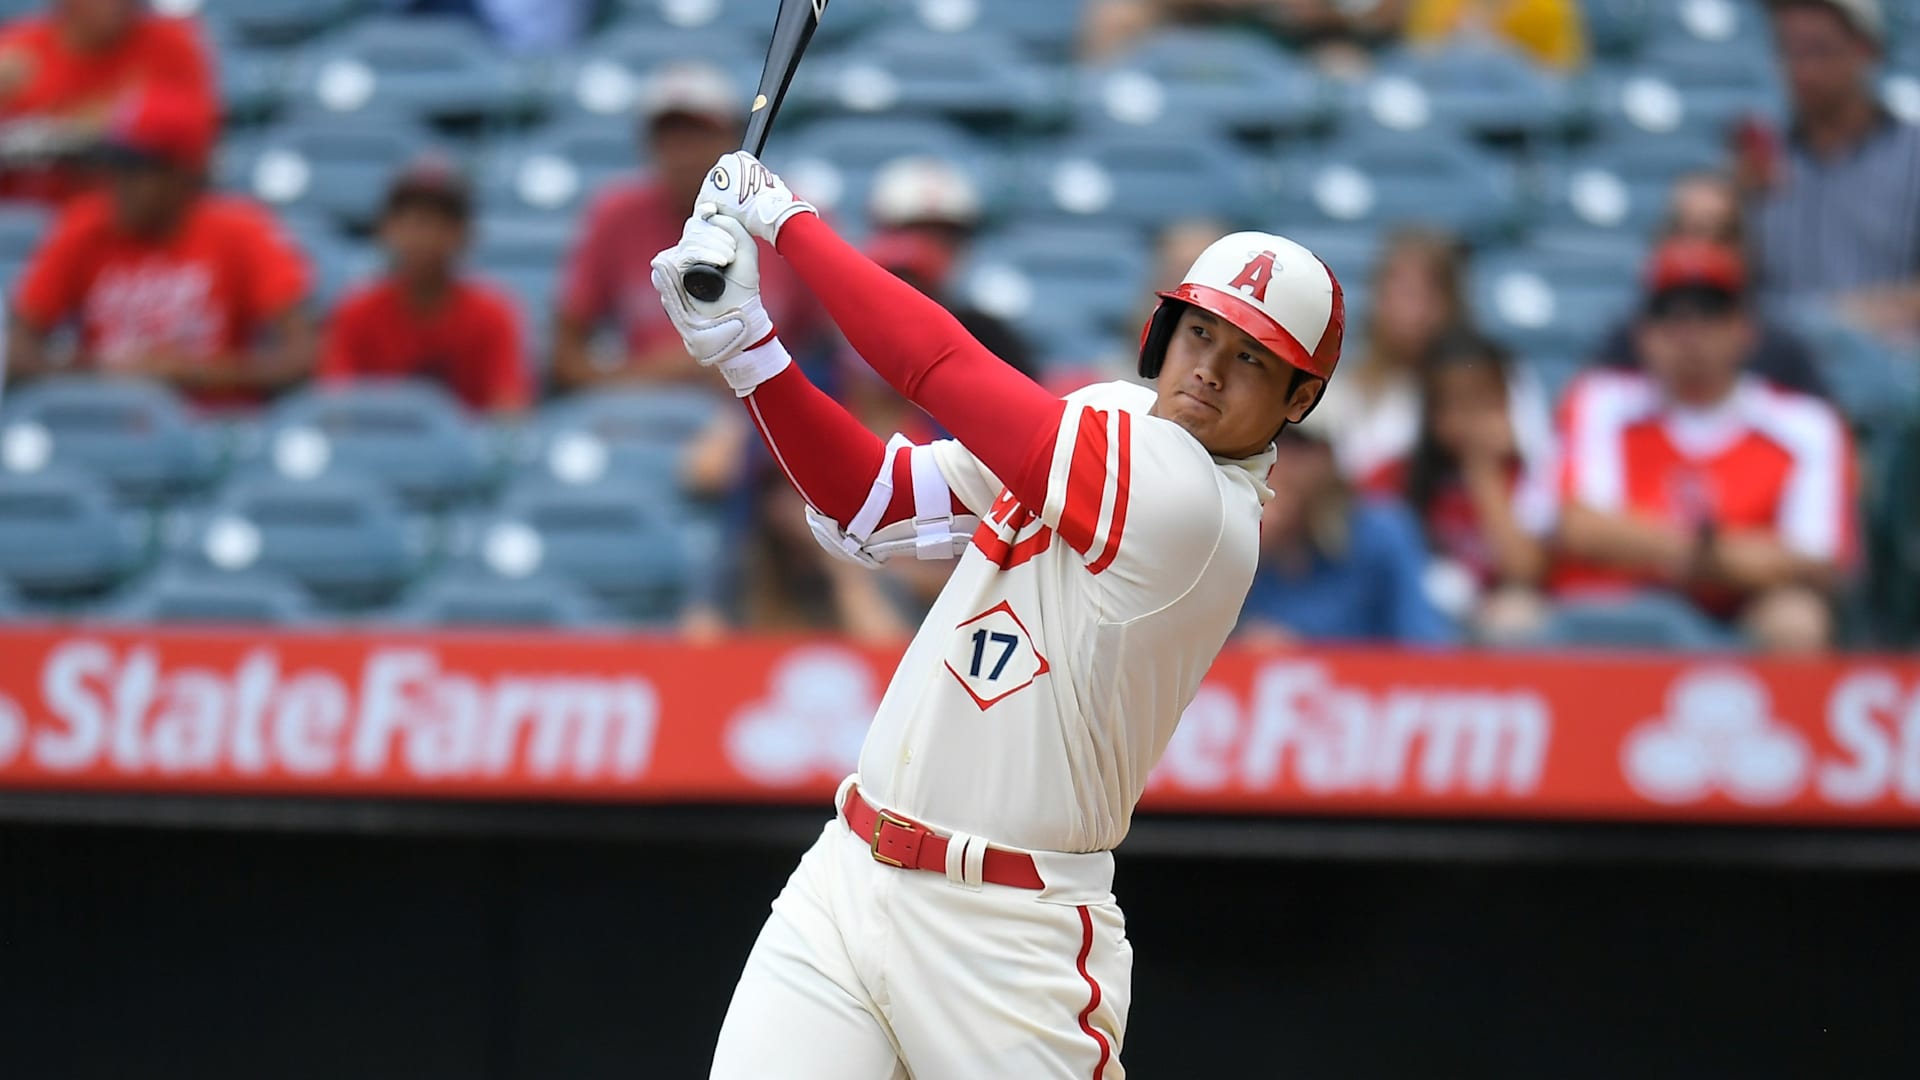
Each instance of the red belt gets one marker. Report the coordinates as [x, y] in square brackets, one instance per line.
[909, 845]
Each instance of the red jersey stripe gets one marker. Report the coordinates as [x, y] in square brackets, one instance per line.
[1086, 482]
[1093, 1001]
[1124, 469]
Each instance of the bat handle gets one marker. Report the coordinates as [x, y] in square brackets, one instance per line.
[704, 283]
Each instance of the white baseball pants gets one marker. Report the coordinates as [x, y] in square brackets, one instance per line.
[869, 972]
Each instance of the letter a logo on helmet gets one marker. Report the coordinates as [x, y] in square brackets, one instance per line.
[1271, 289]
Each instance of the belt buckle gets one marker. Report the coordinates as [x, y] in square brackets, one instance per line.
[880, 822]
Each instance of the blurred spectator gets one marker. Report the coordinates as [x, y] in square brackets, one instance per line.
[1335, 566]
[1698, 478]
[1706, 206]
[1110, 27]
[1836, 206]
[519, 25]
[689, 117]
[61, 73]
[426, 318]
[1547, 30]
[1373, 410]
[1469, 486]
[164, 279]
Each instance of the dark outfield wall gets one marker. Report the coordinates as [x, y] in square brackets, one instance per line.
[209, 955]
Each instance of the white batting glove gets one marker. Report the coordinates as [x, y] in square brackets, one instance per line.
[718, 334]
[752, 194]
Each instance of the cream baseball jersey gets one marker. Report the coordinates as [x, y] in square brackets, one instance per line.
[1049, 676]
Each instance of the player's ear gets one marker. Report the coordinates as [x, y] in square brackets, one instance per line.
[1304, 394]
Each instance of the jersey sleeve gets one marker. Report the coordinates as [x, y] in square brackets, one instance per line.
[1136, 497]
[972, 483]
[277, 277]
[1815, 518]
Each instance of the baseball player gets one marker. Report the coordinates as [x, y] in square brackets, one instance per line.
[956, 918]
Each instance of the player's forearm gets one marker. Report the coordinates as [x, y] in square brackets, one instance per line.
[1007, 420]
[829, 457]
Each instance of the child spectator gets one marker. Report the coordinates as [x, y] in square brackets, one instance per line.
[1333, 566]
[165, 280]
[62, 72]
[1698, 478]
[426, 318]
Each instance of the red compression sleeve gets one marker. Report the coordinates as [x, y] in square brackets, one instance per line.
[1007, 420]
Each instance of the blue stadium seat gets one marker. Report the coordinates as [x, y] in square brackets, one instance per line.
[1348, 252]
[339, 262]
[1208, 78]
[975, 76]
[189, 595]
[606, 79]
[61, 536]
[473, 599]
[271, 22]
[1142, 178]
[750, 20]
[136, 436]
[1620, 181]
[1053, 281]
[628, 438]
[412, 437]
[22, 227]
[1874, 383]
[1687, 89]
[253, 80]
[333, 165]
[1651, 622]
[1482, 90]
[1379, 180]
[833, 163]
[559, 169]
[416, 67]
[1551, 302]
[343, 537]
[1049, 27]
[1725, 24]
[630, 551]
[523, 256]
[1618, 27]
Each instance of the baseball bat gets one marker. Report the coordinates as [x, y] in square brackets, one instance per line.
[793, 28]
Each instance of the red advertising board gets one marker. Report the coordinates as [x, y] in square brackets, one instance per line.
[638, 719]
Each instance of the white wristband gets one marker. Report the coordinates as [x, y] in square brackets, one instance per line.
[747, 371]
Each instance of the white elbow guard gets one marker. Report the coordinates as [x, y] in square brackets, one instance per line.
[935, 532]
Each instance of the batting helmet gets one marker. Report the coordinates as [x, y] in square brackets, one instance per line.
[1277, 292]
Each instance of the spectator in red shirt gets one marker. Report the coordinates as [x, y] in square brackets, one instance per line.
[164, 279]
[1700, 478]
[690, 117]
[426, 319]
[62, 72]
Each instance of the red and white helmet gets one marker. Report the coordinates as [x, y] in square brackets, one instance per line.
[1277, 292]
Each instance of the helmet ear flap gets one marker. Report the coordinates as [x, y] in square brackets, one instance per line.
[1156, 336]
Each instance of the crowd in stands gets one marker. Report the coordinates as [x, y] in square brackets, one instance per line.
[1447, 491]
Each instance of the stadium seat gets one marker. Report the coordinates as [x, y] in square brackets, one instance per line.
[1379, 180]
[1686, 88]
[1874, 383]
[1055, 280]
[973, 76]
[621, 437]
[1142, 178]
[474, 599]
[1726, 24]
[136, 436]
[343, 537]
[832, 163]
[1618, 27]
[1650, 622]
[1482, 90]
[523, 256]
[22, 227]
[416, 67]
[559, 169]
[268, 22]
[630, 552]
[61, 536]
[188, 595]
[1550, 302]
[606, 79]
[751, 20]
[1203, 78]
[1049, 27]
[1348, 252]
[1620, 181]
[333, 165]
[253, 80]
[412, 437]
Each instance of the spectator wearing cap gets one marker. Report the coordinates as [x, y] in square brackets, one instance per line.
[1836, 206]
[61, 72]
[1335, 565]
[426, 319]
[689, 117]
[162, 278]
[1697, 478]
[1706, 206]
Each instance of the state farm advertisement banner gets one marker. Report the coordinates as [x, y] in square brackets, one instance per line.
[635, 719]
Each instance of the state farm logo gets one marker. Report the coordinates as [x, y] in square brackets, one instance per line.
[812, 721]
[1719, 734]
[13, 730]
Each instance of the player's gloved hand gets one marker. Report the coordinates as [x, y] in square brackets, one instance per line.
[752, 194]
[721, 334]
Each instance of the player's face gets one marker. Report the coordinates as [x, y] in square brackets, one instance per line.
[1229, 391]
